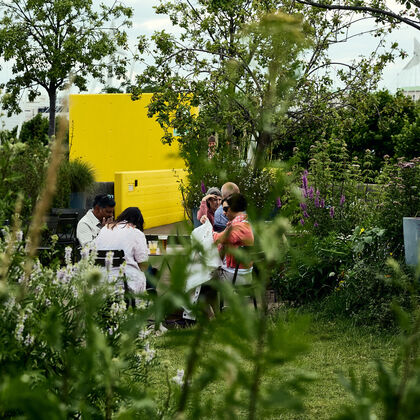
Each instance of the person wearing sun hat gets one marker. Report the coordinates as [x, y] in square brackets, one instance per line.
[209, 204]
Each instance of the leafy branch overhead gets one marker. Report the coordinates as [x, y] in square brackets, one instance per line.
[257, 70]
[407, 14]
[52, 42]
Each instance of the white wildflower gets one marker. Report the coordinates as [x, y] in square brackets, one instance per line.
[179, 378]
[29, 340]
[10, 303]
[67, 255]
[74, 291]
[141, 304]
[112, 330]
[150, 353]
[144, 333]
[85, 252]
[20, 326]
[108, 260]
[118, 308]
[121, 272]
[63, 276]
[19, 236]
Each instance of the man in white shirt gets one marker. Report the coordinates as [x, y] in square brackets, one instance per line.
[91, 223]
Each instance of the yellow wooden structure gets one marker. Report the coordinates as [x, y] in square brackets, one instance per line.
[115, 135]
[154, 192]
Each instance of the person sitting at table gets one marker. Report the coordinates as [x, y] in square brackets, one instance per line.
[91, 223]
[209, 204]
[126, 233]
[238, 233]
[220, 219]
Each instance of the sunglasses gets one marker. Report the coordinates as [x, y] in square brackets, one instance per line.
[225, 209]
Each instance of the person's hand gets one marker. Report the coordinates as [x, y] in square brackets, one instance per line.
[106, 221]
[203, 219]
[206, 197]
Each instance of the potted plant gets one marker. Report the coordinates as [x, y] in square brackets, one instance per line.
[81, 177]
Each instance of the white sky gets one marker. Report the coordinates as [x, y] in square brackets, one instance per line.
[145, 22]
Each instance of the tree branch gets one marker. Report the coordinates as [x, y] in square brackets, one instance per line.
[364, 9]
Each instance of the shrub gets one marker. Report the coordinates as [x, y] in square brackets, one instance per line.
[401, 197]
[73, 176]
[334, 194]
[22, 169]
[256, 184]
[344, 276]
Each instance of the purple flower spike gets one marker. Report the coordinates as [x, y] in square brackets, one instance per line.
[278, 203]
[316, 201]
[311, 192]
[304, 181]
[305, 214]
[316, 224]
[203, 188]
[303, 206]
[342, 199]
[322, 203]
[332, 212]
[302, 222]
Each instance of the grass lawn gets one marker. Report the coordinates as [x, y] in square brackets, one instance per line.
[334, 347]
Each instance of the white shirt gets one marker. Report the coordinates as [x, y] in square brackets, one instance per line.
[133, 242]
[88, 228]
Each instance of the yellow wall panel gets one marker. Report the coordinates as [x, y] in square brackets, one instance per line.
[156, 193]
[114, 134]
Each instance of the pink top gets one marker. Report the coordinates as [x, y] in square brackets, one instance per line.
[238, 232]
[205, 210]
[133, 242]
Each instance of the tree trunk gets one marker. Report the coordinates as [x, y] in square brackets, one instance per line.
[52, 94]
[263, 141]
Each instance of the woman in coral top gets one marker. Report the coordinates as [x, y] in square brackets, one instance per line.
[238, 233]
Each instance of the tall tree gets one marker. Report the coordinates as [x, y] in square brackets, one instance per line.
[240, 60]
[51, 42]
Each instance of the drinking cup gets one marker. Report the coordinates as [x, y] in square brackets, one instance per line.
[163, 242]
[153, 247]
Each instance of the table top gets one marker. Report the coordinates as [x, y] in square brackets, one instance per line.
[170, 250]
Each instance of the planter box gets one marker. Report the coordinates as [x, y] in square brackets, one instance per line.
[411, 227]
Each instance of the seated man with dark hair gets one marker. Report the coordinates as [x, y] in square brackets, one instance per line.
[91, 223]
[238, 233]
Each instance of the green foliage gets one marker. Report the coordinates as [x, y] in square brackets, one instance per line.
[401, 198]
[22, 169]
[383, 123]
[335, 194]
[73, 176]
[249, 54]
[35, 130]
[348, 228]
[344, 276]
[66, 331]
[257, 185]
[397, 389]
[69, 48]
